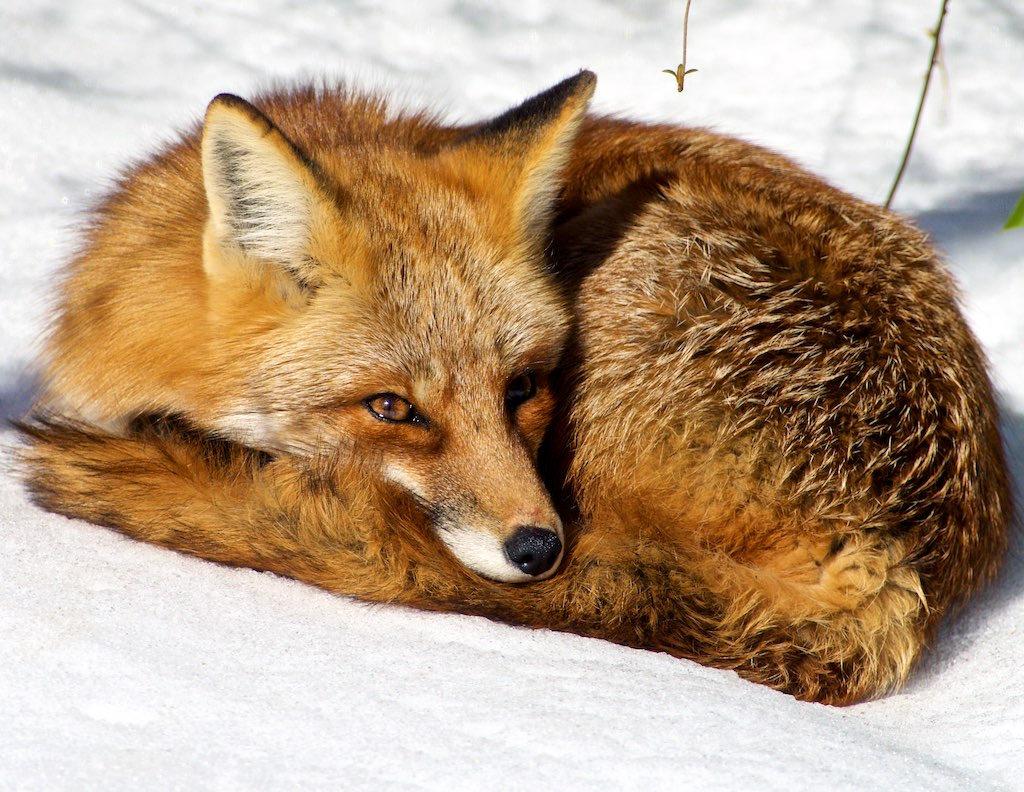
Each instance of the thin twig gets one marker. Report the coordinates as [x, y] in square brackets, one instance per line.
[681, 71]
[686, 33]
[936, 38]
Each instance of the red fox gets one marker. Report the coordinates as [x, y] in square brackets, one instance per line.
[389, 357]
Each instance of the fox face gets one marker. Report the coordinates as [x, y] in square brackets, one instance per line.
[396, 305]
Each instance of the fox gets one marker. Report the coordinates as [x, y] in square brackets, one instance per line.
[640, 382]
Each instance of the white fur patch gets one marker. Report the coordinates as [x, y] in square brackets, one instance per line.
[84, 411]
[403, 478]
[484, 553]
[249, 428]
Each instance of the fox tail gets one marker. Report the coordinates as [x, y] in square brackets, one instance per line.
[851, 632]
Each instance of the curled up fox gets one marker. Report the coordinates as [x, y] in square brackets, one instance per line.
[639, 382]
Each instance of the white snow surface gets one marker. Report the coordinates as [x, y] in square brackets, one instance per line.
[126, 666]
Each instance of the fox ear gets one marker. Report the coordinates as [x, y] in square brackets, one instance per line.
[263, 195]
[535, 140]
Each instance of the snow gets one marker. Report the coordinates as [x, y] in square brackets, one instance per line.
[123, 665]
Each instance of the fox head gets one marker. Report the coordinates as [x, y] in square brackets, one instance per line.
[395, 303]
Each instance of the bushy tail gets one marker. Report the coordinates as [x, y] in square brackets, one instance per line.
[326, 523]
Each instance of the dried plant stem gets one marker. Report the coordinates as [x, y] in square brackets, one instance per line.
[681, 71]
[936, 39]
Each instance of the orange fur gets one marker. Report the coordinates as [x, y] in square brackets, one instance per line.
[769, 431]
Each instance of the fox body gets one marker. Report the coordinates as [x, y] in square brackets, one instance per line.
[327, 340]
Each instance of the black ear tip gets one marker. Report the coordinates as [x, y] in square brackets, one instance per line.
[581, 83]
[580, 86]
[227, 101]
[538, 110]
[586, 78]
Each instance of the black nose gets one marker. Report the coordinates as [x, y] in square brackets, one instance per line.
[534, 550]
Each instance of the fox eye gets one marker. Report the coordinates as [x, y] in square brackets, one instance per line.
[391, 407]
[520, 389]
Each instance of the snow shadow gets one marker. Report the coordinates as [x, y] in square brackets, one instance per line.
[17, 392]
[981, 213]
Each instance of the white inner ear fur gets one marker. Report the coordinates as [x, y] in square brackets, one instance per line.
[259, 196]
[543, 180]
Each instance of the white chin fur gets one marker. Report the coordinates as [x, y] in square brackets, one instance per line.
[484, 553]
